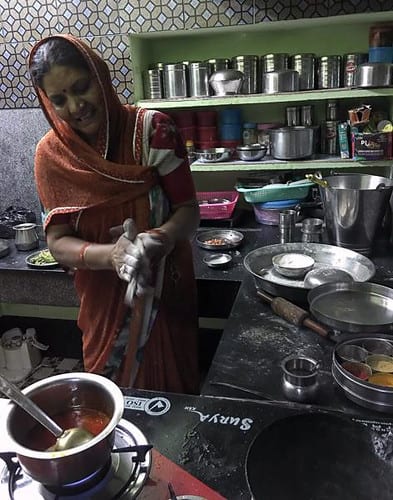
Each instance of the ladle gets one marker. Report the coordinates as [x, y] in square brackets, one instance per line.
[65, 439]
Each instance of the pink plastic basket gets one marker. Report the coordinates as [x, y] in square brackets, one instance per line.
[211, 210]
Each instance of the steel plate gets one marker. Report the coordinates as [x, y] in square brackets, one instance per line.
[229, 238]
[353, 307]
[259, 264]
[361, 392]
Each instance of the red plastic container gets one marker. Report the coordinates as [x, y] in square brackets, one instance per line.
[211, 210]
[206, 118]
[207, 134]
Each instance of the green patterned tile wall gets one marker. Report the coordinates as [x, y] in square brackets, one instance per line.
[104, 24]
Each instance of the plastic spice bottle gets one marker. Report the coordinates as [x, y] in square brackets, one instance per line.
[190, 150]
[249, 133]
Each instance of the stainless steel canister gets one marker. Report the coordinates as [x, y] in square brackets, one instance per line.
[329, 72]
[350, 64]
[287, 221]
[175, 80]
[330, 138]
[248, 65]
[153, 84]
[306, 115]
[304, 64]
[218, 64]
[331, 111]
[199, 73]
[293, 116]
[274, 62]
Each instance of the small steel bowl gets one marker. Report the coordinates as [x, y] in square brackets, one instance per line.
[380, 363]
[293, 265]
[348, 352]
[300, 378]
[213, 155]
[251, 152]
[378, 346]
[218, 260]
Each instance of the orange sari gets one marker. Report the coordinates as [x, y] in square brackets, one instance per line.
[98, 193]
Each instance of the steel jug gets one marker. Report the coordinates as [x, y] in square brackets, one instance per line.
[26, 237]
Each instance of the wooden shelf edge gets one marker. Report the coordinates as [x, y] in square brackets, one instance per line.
[288, 165]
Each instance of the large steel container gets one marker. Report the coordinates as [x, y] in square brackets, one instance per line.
[354, 207]
[292, 143]
[56, 395]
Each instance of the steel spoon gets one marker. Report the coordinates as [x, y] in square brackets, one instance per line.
[65, 439]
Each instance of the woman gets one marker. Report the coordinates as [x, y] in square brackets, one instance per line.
[101, 164]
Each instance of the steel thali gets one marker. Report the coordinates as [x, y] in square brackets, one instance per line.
[219, 239]
[259, 263]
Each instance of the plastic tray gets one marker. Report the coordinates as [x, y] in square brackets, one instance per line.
[277, 192]
[217, 210]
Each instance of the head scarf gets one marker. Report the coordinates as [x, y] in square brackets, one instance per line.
[70, 174]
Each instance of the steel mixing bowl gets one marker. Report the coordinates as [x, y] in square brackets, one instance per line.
[251, 152]
[226, 82]
[213, 155]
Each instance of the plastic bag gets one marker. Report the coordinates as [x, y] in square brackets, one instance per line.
[13, 216]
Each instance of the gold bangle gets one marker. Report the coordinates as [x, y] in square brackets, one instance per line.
[82, 255]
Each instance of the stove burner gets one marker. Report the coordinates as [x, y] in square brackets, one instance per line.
[122, 478]
[85, 484]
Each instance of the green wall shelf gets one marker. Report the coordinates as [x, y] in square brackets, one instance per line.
[267, 165]
[310, 95]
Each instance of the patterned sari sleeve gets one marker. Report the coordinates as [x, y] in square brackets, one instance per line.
[169, 155]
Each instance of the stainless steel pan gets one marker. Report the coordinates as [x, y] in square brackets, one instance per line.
[259, 264]
[353, 307]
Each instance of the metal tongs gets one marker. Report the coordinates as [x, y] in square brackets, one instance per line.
[317, 178]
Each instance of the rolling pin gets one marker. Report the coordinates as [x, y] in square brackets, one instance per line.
[293, 313]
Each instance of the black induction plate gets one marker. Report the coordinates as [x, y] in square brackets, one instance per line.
[320, 457]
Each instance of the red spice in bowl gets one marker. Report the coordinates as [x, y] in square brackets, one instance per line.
[358, 370]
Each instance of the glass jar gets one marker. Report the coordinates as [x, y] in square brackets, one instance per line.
[249, 133]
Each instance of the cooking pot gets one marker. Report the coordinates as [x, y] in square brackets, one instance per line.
[292, 143]
[56, 395]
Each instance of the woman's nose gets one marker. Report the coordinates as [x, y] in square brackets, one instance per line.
[75, 105]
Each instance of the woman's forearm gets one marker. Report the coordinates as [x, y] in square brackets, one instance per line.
[183, 222]
[73, 252]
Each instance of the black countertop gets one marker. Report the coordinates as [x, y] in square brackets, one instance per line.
[254, 341]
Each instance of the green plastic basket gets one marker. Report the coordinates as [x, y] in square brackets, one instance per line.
[277, 192]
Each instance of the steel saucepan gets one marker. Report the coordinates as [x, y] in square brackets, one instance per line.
[56, 395]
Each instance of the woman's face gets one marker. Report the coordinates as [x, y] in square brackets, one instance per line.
[76, 98]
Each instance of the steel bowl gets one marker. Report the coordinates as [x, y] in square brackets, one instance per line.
[293, 265]
[213, 155]
[226, 82]
[55, 395]
[361, 392]
[251, 152]
[286, 80]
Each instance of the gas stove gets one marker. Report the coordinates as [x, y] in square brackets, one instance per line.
[122, 478]
[201, 444]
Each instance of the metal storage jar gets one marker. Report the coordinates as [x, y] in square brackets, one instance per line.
[175, 80]
[248, 65]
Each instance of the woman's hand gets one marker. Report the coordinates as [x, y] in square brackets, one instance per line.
[126, 258]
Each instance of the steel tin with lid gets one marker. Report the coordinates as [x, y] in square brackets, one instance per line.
[175, 80]
[305, 65]
[329, 72]
[350, 64]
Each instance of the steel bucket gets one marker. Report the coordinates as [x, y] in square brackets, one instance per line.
[354, 206]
